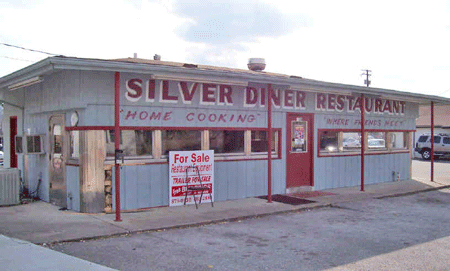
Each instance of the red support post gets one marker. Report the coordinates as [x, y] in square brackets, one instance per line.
[117, 141]
[432, 141]
[269, 147]
[363, 139]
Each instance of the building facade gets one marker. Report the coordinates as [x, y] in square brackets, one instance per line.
[68, 106]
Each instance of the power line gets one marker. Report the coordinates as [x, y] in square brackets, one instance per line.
[26, 49]
[445, 91]
[21, 59]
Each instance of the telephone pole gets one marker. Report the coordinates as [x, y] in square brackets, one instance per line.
[367, 73]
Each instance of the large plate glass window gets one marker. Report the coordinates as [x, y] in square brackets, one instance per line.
[376, 141]
[134, 143]
[329, 141]
[225, 141]
[180, 140]
[398, 140]
[351, 141]
[259, 141]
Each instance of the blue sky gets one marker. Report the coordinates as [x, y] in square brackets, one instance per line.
[405, 43]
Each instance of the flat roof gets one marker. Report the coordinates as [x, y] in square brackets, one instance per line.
[199, 73]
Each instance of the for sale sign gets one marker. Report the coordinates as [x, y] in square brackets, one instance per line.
[179, 162]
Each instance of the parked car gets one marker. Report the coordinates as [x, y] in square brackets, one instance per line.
[376, 143]
[1, 157]
[441, 145]
[351, 143]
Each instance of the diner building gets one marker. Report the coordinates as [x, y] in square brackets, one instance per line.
[63, 118]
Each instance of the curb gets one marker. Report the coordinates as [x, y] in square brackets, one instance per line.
[191, 225]
[232, 219]
[414, 192]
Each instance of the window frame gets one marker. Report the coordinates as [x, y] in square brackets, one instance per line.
[367, 151]
[158, 158]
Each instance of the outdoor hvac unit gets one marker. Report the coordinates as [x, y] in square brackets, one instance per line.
[9, 186]
[30, 144]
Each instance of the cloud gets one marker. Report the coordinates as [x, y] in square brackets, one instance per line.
[233, 22]
[221, 31]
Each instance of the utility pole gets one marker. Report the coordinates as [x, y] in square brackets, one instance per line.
[367, 74]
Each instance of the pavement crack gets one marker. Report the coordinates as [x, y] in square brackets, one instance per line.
[344, 208]
[113, 224]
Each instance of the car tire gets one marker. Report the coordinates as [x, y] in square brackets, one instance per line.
[426, 154]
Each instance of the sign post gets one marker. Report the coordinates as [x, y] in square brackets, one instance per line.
[179, 161]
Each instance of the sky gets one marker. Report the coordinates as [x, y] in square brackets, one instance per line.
[405, 44]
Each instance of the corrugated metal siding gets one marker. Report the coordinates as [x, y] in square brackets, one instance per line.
[345, 171]
[242, 179]
[9, 187]
[148, 185]
[37, 164]
[73, 187]
[66, 90]
[143, 186]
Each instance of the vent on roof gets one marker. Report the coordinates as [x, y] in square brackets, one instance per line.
[135, 55]
[256, 64]
[186, 65]
[157, 57]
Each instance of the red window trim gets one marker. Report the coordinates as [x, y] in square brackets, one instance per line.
[150, 128]
[340, 154]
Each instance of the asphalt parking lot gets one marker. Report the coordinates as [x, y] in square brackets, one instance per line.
[346, 236]
[421, 170]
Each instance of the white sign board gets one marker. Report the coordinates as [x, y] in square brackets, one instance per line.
[179, 161]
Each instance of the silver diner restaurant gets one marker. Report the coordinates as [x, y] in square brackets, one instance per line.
[66, 119]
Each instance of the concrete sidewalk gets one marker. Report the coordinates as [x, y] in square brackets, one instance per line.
[21, 255]
[43, 223]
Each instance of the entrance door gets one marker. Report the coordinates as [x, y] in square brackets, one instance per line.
[57, 174]
[299, 157]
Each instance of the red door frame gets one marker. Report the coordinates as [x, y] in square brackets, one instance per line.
[310, 144]
[12, 140]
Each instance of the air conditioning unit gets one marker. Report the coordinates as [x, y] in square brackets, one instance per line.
[30, 144]
[9, 186]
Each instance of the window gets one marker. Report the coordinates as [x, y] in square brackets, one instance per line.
[398, 140]
[19, 144]
[349, 142]
[299, 130]
[226, 141]
[259, 141]
[180, 140]
[156, 144]
[31, 144]
[57, 140]
[376, 141]
[446, 140]
[437, 139]
[74, 144]
[422, 139]
[143, 142]
[329, 141]
[336, 141]
[132, 142]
